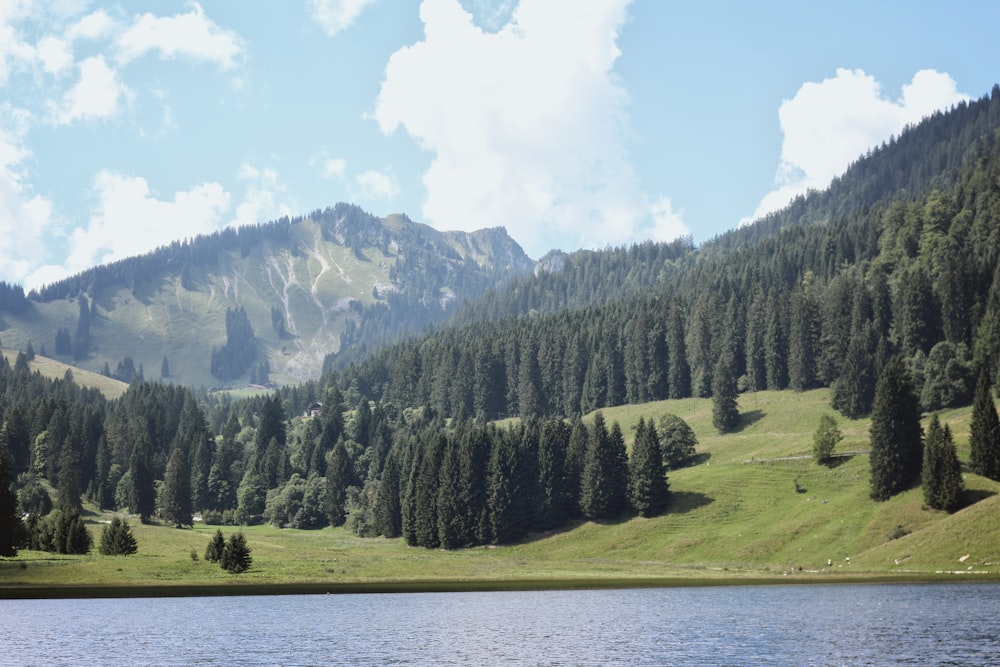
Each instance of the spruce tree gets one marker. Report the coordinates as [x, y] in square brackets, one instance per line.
[117, 539]
[176, 499]
[605, 473]
[216, 545]
[725, 409]
[941, 473]
[896, 447]
[141, 491]
[647, 484]
[984, 432]
[554, 504]
[388, 512]
[13, 534]
[68, 489]
[338, 478]
[236, 554]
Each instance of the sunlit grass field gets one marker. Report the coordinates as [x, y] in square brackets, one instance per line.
[737, 515]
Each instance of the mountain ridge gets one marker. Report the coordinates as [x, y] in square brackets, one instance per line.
[303, 283]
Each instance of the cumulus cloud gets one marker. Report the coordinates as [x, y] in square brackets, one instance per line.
[336, 15]
[94, 26]
[525, 124]
[128, 219]
[376, 185]
[98, 94]
[265, 196]
[191, 35]
[24, 214]
[334, 168]
[55, 54]
[828, 125]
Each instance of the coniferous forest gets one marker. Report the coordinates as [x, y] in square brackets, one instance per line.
[884, 288]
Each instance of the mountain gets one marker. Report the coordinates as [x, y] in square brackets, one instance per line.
[261, 303]
[899, 256]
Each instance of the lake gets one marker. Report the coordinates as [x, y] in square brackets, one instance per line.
[891, 624]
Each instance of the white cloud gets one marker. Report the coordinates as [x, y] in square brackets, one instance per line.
[55, 54]
[24, 214]
[14, 50]
[97, 95]
[128, 219]
[376, 185]
[525, 124]
[828, 125]
[190, 35]
[334, 168]
[94, 26]
[336, 15]
[265, 196]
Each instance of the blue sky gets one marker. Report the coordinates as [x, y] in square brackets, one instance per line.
[574, 124]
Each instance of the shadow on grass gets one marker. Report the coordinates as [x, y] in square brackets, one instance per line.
[682, 502]
[973, 496]
[837, 460]
[697, 460]
[749, 418]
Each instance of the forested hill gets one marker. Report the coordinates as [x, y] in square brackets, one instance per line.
[821, 294]
[260, 303]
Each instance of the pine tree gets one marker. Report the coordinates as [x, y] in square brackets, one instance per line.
[216, 545]
[388, 512]
[725, 409]
[68, 489]
[141, 492]
[555, 498]
[647, 485]
[176, 500]
[236, 554]
[605, 473]
[338, 478]
[896, 447]
[984, 432]
[117, 539]
[941, 473]
[13, 534]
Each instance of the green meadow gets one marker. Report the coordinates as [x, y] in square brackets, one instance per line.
[755, 508]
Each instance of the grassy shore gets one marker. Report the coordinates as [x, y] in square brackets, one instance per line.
[735, 517]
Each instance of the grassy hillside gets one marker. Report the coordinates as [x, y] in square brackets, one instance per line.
[734, 515]
[51, 368]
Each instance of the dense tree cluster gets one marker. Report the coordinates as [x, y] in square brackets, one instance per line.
[235, 357]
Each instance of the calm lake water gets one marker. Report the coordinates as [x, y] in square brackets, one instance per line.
[899, 624]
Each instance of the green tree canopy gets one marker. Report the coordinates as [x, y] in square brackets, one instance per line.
[896, 447]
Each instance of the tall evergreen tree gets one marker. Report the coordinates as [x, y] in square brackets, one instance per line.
[388, 512]
[555, 498]
[141, 492]
[647, 487]
[68, 489]
[941, 472]
[338, 479]
[725, 408]
[896, 447]
[984, 432]
[176, 500]
[13, 534]
[604, 478]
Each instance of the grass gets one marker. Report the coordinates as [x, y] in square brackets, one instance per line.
[54, 369]
[730, 520]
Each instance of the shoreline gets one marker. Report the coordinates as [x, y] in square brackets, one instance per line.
[109, 591]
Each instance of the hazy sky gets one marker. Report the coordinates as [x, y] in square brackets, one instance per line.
[124, 126]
